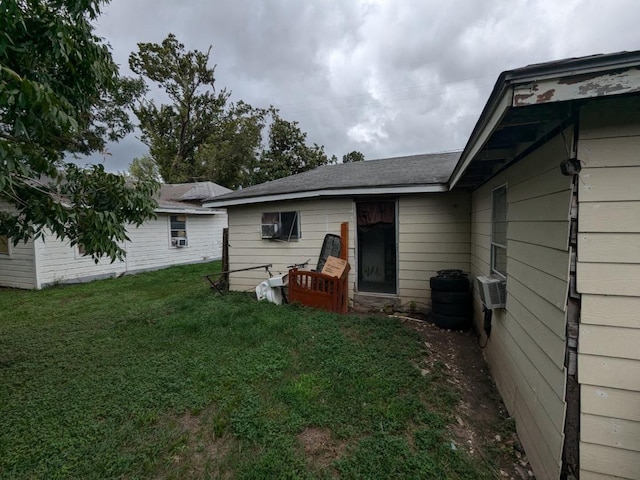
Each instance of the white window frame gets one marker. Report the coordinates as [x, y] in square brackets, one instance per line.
[9, 245]
[285, 236]
[173, 244]
[495, 245]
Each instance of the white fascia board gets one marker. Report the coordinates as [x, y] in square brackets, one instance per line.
[581, 85]
[343, 192]
[492, 122]
[190, 211]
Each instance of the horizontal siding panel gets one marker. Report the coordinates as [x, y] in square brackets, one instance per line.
[433, 247]
[602, 152]
[544, 377]
[552, 317]
[546, 339]
[542, 450]
[608, 278]
[538, 395]
[552, 289]
[610, 402]
[612, 432]
[408, 258]
[609, 247]
[554, 207]
[609, 372]
[587, 475]
[609, 184]
[549, 182]
[610, 310]
[422, 270]
[409, 228]
[618, 462]
[606, 341]
[546, 234]
[551, 261]
[609, 217]
[616, 117]
[436, 201]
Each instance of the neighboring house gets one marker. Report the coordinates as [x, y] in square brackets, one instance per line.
[183, 232]
[565, 349]
[403, 225]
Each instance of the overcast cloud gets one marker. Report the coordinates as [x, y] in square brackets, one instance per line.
[386, 78]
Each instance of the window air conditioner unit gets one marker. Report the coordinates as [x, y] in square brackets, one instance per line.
[181, 242]
[493, 292]
[270, 230]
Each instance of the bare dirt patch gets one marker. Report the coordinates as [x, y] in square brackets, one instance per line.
[482, 426]
[319, 447]
[200, 453]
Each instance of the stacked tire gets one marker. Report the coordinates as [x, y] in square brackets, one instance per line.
[451, 305]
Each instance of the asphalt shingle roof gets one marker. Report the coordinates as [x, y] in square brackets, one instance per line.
[188, 195]
[414, 170]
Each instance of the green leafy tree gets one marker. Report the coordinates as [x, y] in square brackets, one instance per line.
[144, 168]
[230, 150]
[174, 132]
[354, 156]
[201, 135]
[287, 152]
[60, 94]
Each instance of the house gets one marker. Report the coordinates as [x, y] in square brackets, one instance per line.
[403, 225]
[553, 165]
[545, 198]
[183, 232]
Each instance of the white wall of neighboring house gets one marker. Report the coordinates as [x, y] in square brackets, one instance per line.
[526, 350]
[18, 268]
[47, 261]
[608, 272]
[150, 245]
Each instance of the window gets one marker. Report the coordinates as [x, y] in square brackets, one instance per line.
[4, 245]
[178, 228]
[499, 231]
[281, 226]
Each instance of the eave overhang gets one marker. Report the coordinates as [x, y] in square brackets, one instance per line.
[342, 192]
[531, 104]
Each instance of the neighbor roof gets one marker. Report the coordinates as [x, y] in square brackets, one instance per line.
[410, 174]
[531, 103]
[187, 196]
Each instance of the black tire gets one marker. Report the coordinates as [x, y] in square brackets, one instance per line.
[450, 322]
[450, 297]
[462, 309]
[449, 284]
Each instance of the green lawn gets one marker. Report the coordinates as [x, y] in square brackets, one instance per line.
[154, 376]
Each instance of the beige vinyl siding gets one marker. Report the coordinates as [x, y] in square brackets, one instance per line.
[17, 269]
[526, 350]
[316, 217]
[433, 234]
[608, 277]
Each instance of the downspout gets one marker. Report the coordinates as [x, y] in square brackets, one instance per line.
[571, 447]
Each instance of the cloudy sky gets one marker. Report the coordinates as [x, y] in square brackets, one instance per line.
[384, 77]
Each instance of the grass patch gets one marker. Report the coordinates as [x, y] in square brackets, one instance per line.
[153, 376]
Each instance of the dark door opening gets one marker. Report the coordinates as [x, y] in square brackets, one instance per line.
[377, 247]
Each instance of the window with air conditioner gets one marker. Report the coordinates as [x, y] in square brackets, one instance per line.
[499, 231]
[178, 231]
[283, 226]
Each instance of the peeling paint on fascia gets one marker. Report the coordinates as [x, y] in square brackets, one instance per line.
[577, 87]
